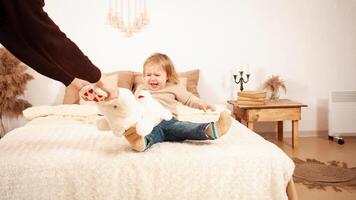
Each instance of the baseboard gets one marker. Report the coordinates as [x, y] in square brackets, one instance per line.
[288, 134]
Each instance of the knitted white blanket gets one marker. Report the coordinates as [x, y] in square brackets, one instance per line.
[58, 156]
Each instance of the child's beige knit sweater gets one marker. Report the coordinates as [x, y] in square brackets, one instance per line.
[172, 95]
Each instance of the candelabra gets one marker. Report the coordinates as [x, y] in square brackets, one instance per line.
[241, 79]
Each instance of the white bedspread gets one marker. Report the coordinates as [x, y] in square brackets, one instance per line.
[56, 157]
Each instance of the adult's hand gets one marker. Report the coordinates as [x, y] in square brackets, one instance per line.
[79, 83]
[109, 86]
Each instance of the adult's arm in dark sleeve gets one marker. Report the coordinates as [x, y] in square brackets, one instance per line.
[32, 58]
[28, 33]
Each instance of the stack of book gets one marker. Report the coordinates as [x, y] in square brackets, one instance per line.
[251, 98]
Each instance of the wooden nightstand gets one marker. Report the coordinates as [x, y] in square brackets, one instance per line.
[273, 110]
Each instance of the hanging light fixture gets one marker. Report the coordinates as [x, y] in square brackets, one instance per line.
[128, 16]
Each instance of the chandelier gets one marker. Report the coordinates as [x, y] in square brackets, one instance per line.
[128, 16]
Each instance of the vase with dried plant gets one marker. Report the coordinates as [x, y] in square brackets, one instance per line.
[13, 80]
[274, 84]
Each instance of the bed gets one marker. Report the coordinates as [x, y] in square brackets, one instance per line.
[60, 154]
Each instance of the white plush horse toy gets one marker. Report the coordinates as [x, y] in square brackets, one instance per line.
[142, 112]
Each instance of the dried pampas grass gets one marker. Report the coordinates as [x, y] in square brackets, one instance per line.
[13, 80]
[274, 84]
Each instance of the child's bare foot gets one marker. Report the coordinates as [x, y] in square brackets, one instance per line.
[136, 141]
[219, 128]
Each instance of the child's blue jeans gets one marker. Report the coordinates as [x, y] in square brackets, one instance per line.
[174, 130]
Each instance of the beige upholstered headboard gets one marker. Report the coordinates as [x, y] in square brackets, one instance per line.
[130, 80]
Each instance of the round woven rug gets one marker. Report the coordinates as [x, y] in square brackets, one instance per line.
[319, 175]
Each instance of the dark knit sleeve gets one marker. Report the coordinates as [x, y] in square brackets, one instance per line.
[27, 32]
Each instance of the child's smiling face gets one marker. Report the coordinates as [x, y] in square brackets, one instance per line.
[154, 77]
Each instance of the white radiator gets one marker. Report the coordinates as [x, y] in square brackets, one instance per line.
[342, 113]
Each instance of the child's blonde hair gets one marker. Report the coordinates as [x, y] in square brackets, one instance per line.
[165, 62]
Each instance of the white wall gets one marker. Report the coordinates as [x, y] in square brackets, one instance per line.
[311, 44]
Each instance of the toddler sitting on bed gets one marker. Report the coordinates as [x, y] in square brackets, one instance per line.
[161, 80]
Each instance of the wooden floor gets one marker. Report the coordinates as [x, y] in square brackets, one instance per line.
[320, 148]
